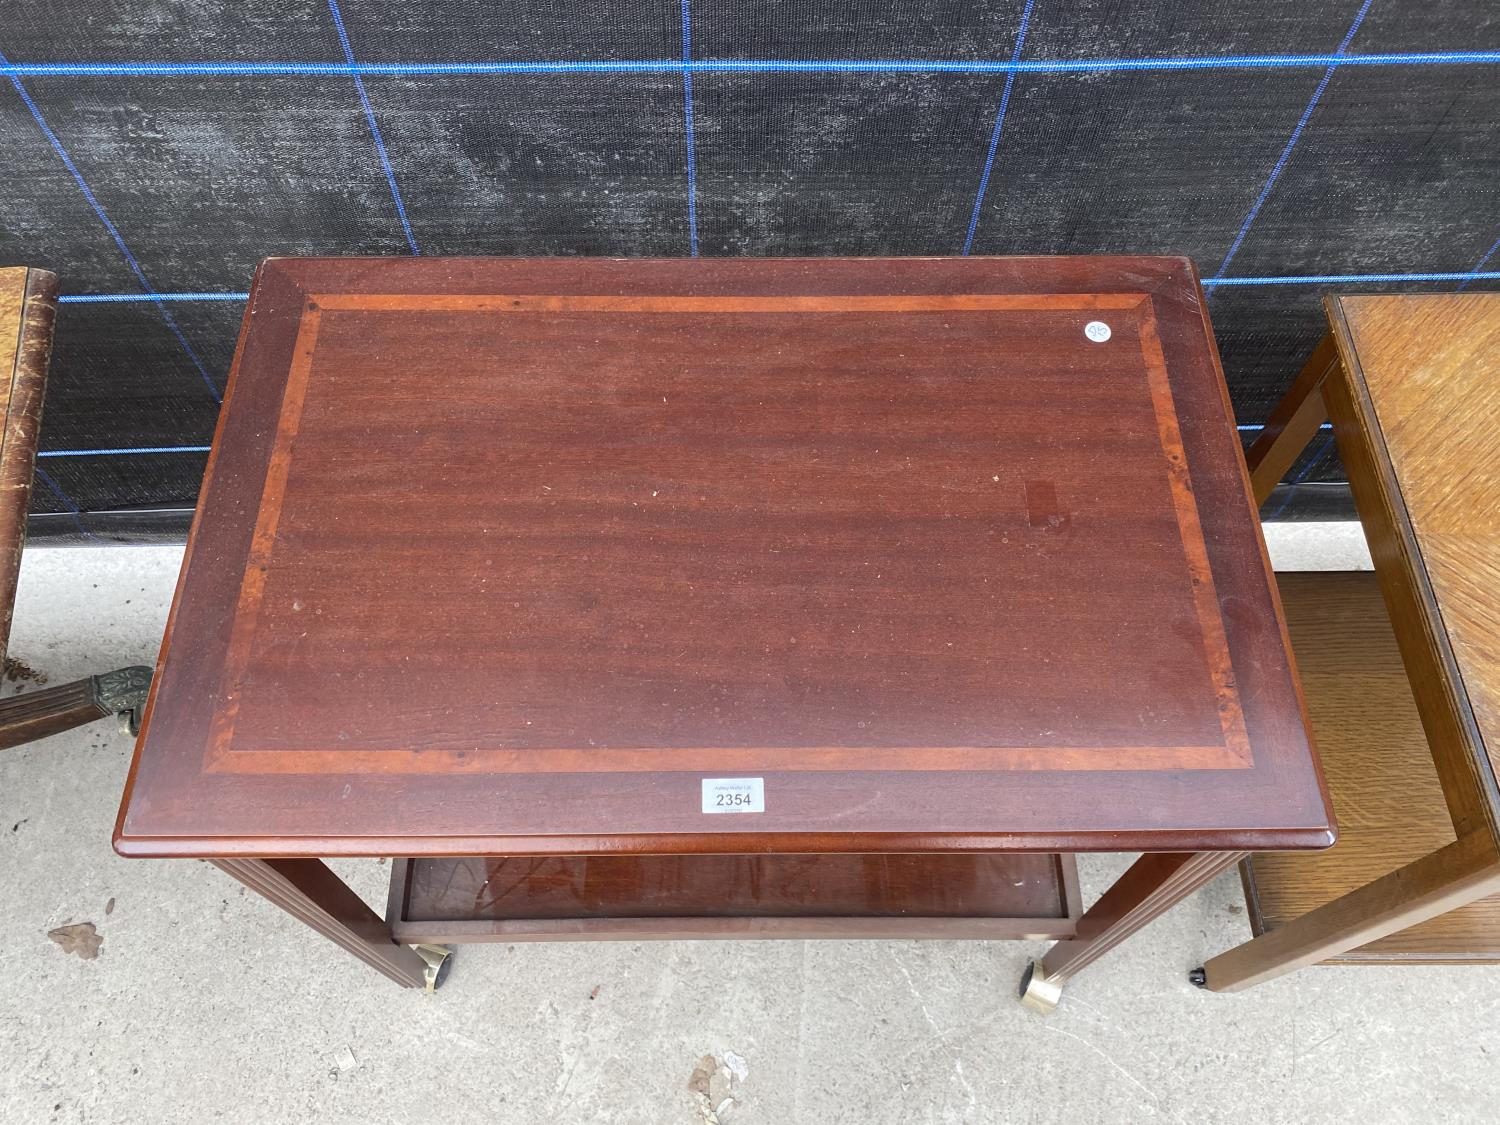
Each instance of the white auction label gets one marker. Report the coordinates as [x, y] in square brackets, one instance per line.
[734, 794]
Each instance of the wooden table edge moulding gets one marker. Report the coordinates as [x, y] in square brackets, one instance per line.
[500, 565]
[1400, 666]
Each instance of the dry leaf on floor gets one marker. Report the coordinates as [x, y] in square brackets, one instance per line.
[80, 938]
[702, 1074]
[16, 671]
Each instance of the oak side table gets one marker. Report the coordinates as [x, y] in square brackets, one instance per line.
[746, 598]
[1401, 667]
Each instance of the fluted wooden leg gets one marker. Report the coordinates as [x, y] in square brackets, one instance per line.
[1154, 884]
[310, 892]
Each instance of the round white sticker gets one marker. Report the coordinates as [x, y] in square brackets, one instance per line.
[1097, 331]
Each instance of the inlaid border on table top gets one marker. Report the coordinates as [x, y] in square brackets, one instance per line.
[1233, 752]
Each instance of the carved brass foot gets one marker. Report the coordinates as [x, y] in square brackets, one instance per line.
[36, 714]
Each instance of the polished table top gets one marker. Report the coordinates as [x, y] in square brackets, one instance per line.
[508, 556]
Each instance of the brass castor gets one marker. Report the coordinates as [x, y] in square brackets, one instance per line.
[1037, 992]
[439, 960]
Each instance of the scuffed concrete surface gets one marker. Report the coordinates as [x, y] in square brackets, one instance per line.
[207, 1004]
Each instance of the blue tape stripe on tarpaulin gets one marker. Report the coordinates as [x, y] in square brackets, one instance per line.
[1465, 276]
[1312, 463]
[67, 502]
[364, 100]
[1353, 278]
[126, 451]
[1291, 143]
[88, 194]
[752, 66]
[1255, 427]
[1477, 272]
[989, 160]
[127, 298]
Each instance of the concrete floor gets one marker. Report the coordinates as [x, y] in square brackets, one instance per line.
[207, 1004]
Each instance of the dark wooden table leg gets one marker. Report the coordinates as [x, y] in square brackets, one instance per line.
[310, 892]
[1154, 884]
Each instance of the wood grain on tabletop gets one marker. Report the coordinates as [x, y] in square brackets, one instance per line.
[1431, 365]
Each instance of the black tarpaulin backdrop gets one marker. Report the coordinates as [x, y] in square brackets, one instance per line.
[1357, 138]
